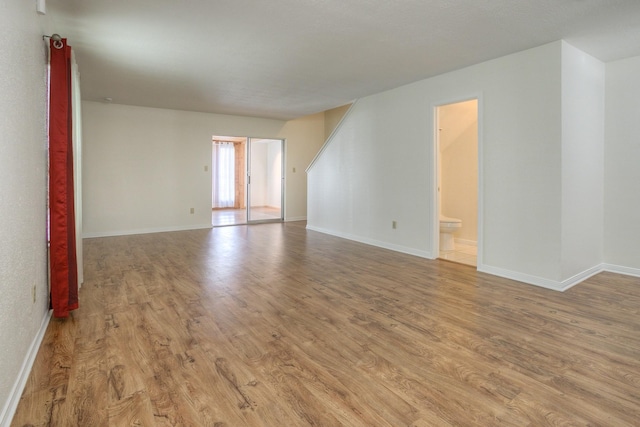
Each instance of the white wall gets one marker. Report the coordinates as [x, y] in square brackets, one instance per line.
[542, 139]
[583, 85]
[274, 174]
[266, 173]
[622, 171]
[378, 167]
[23, 171]
[259, 173]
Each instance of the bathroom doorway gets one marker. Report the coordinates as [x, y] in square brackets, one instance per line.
[457, 181]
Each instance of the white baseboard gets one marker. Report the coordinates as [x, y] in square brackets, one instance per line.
[143, 231]
[559, 285]
[373, 242]
[295, 218]
[521, 277]
[555, 285]
[580, 277]
[627, 271]
[11, 405]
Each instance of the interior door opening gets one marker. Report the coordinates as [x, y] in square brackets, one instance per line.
[457, 181]
[246, 180]
[265, 179]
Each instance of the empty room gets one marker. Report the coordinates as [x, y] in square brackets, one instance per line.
[295, 213]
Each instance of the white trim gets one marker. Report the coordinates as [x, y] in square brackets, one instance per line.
[330, 138]
[144, 231]
[540, 281]
[627, 271]
[295, 218]
[11, 405]
[480, 213]
[435, 180]
[580, 277]
[521, 277]
[373, 242]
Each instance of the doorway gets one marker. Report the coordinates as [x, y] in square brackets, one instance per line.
[247, 180]
[457, 164]
[265, 180]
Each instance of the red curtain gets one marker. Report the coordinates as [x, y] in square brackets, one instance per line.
[63, 263]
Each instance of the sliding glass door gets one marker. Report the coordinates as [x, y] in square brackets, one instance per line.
[265, 180]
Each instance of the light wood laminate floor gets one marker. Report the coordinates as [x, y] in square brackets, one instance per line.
[463, 253]
[224, 217]
[274, 325]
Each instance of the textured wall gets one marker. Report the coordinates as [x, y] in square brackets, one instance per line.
[22, 188]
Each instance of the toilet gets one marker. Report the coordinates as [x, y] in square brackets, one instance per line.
[447, 227]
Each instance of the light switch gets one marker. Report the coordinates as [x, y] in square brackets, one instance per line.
[206, 168]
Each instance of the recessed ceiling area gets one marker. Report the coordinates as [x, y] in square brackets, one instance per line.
[284, 59]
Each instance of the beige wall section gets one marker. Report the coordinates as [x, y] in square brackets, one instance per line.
[332, 119]
[459, 154]
[144, 168]
[304, 137]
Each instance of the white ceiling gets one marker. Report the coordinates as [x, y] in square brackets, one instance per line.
[288, 58]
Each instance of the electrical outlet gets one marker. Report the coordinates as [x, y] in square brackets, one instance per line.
[206, 168]
[394, 224]
[192, 210]
[33, 293]
[294, 170]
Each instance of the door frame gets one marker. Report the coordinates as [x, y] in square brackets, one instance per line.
[435, 175]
